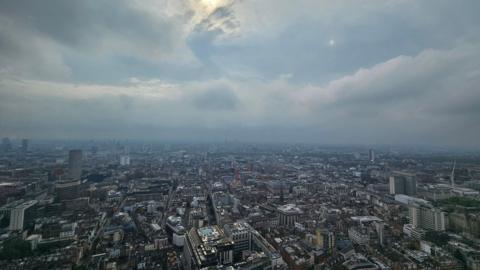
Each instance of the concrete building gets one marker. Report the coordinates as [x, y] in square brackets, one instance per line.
[288, 214]
[68, 190]
[426, 217]
[371, 155]
[240, 233]
[21, 214]
[175, 231]
[75, 164]
[403, 183]
[249, 242]
[207, 246]
[24, 145]
[124, 160]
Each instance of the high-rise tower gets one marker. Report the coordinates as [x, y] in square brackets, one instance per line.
[75, 164]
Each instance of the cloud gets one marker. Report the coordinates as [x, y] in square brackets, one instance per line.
[221, 98]
[431, 97]
[398, 71]
[64, 35]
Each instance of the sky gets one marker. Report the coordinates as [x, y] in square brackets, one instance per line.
[304, 71]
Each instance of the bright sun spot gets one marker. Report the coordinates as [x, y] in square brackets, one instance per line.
[210, 3]
[331, 42]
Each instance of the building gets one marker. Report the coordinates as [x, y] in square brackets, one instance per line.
[207, 246]
[68, 190]
[175, 231]
[288, 214]
[403, 183]
[6, 144]
[366, 230]
[124, 160]
[21, 214]
[240, 233]
[250, 243]
[75, 164]
[24, 145]
[325, 240]
[371, 155]
[426, 217]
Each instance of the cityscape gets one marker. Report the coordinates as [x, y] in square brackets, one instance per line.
[239, 135]
[120, 205]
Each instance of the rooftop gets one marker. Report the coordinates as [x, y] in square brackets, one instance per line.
[290, 209]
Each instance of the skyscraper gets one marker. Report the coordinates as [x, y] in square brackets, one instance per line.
[24, 145]
[75, 164]
[371, 155]
[6, 144]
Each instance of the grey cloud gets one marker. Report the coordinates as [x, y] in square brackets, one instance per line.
[218, 98]
[81, 24]
[398, 71]
[65, 38]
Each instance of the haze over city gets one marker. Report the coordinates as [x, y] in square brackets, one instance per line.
[307, 71]
[239, 135]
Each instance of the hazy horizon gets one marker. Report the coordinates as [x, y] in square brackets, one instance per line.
[310, 71]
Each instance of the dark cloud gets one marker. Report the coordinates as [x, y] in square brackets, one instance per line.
[81, 24]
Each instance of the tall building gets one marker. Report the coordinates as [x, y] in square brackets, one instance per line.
[24, 145]
[75, 164]
[403, 183]
[426, 217]
[21, 214]
[6, 144]
[124, 160]
[371, 155]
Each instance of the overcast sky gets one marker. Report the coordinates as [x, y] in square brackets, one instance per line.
[314, 71]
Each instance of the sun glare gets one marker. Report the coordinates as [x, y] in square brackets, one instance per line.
[210, 3]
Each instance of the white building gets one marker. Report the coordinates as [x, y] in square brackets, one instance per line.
[20, 213]
[124, 160]
[426, 217]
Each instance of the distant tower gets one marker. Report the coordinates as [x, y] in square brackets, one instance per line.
[6, 144]
[124, 160]
[238, 180]
[371, 155]
[24, 145]
[282, 196]
[452, 176]
[75, 164]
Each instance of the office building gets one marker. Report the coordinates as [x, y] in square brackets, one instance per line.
[124, 160]
[426, 217]
[24, 145]
[288, 214]
[403, 183]
[75, 164]
[207, 246]
[68, 189]
[325, 240]
[175, 231]
[371, 155]
[6, 144]
[248, 242]
[21, 214]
